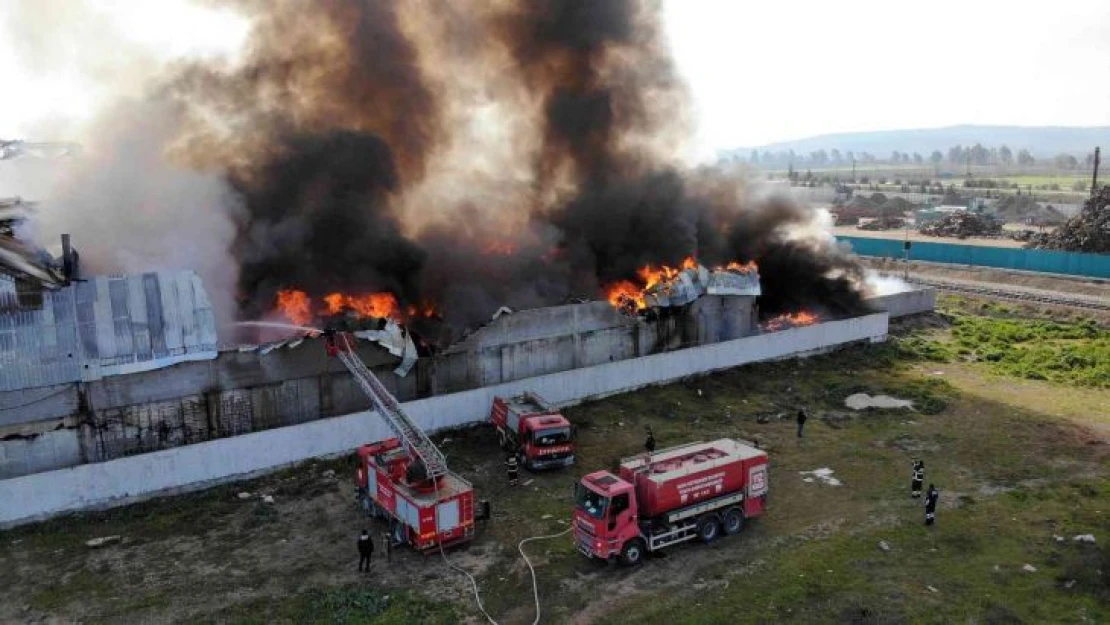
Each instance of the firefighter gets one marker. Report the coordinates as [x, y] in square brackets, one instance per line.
[512, 467]
[365, 550]
[918, 478]
[649, 444]
[802, 416]
[931, 505]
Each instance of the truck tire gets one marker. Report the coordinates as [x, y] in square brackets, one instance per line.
[709, 528]
[734, 521]
[633, 552]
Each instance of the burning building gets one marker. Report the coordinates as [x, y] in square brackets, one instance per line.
[409, 174]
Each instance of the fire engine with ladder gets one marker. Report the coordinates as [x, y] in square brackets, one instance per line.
[405, 480]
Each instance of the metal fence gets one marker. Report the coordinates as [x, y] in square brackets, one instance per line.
[1046, 261]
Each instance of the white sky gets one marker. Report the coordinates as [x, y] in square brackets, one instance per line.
[759, 71]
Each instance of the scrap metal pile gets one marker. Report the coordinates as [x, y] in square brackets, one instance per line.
[1089, 231]
[963, 224]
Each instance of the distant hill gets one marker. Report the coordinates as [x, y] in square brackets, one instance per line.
[1041, 141]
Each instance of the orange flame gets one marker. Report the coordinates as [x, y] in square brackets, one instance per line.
[295, 305]
[625, 294]
[796, 320]
[426, 309]
[747, 267]
[379, 305]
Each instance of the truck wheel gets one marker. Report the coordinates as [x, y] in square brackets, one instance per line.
[709, 529]
[633, 552]
[734, 521]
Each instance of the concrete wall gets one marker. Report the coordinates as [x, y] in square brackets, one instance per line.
[242, 392]
[41, 495]
[912, 302]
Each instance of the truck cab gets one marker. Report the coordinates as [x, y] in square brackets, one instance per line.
[534, 430]
[606, 522]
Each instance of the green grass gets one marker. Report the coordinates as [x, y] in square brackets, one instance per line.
[1074, 353]
[973, 559]
[351, 605]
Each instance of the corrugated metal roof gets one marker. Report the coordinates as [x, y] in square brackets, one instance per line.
[107, 325]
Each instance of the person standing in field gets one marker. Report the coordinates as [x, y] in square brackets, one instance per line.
[931, 505]
[918, 478]
[365, 550]
[802, 416]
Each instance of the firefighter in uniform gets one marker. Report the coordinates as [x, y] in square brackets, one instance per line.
[931, 505]
[365, 550]
[513, 469]
[649, 444]
[918, 478]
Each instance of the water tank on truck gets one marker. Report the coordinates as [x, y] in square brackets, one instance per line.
[693, 491]
[533, 430]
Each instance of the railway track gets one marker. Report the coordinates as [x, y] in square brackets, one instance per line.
[1022, 295]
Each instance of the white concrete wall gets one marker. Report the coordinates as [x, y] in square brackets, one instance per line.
[41, 495]
[919, 299]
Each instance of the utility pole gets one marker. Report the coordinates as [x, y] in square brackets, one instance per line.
[1094, 175]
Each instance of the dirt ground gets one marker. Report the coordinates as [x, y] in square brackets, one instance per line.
[1018, 463]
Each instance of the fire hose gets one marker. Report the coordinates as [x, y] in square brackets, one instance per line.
[474, 582]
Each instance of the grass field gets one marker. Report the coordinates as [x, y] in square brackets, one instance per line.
[1018, 461]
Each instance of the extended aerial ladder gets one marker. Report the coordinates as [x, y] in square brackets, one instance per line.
[415, 441]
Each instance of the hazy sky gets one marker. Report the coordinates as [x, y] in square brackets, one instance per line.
[759, 71]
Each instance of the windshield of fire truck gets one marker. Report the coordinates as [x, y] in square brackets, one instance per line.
[590, 502]
[551, 436]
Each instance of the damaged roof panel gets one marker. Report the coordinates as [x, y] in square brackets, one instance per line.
[107, 325]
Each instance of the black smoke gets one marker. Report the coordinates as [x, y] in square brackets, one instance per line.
[339, 111]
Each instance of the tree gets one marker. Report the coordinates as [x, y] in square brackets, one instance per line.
[905, 157]
[768, 158]
[1005, 155]
[1066, 161]
[918, 159]
[834, 154]
[936, 157]
[956, 154]
[978, 154]
[1090, 160]
[849, 156]
[754, 158]
[1025, 158]
[820, 157]
[895, 157]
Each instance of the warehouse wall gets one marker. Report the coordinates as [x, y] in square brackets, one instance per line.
[115, 482]
[912, 302]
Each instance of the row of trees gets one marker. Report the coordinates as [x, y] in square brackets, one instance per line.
[956, 155]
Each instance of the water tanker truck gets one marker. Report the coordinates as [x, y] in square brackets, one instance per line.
[534, 430]
[693, 491]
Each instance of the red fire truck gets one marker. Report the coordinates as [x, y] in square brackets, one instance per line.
[534, 430]
[698, 490]
[405, 480]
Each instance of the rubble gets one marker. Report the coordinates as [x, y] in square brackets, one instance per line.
[962, 224]
[1089, 231]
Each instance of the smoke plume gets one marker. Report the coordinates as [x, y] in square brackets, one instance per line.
[470, 154]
